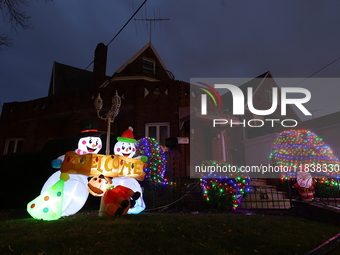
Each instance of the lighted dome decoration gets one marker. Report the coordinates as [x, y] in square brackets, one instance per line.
[302, 150]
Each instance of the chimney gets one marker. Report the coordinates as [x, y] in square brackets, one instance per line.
[99, 65]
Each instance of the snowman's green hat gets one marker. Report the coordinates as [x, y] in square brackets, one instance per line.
[127, 136]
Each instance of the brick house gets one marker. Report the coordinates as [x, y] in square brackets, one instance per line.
[152, 103]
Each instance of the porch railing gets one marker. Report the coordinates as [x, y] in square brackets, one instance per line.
[262, 195]
[326, 191]
[278, 194]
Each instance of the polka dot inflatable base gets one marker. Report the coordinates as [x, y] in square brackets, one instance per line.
[75, 192]
[48, 206]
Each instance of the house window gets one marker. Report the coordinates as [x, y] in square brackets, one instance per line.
[269, 96]
[149, 66]
[160, 131]
[13, 145]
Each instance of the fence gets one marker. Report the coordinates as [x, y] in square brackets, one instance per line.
[278, 193]
[265, 195]
[326, 191]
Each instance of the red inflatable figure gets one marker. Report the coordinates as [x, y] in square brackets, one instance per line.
[119, 200]
[305, 185]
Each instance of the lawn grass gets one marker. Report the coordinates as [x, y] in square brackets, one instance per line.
[156, 233]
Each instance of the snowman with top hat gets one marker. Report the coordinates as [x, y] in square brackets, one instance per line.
[73, 187]
[89, 143]
[89, 139]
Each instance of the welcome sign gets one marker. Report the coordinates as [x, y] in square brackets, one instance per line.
[97, 164]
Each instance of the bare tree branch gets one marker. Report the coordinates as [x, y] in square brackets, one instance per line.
[12, 12]
[5, 42]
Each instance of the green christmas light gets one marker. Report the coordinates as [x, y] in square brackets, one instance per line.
[224, 193]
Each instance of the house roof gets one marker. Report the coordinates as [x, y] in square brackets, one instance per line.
[67, 78]
[323, 121]
[140, 52]
[133, 67]
[227, 98]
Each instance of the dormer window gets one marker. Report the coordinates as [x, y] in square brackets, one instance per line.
[269, 96]
[149, 66]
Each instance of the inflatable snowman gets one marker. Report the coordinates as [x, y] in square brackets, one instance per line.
[125, 146]
[76, 190]
[89, 141]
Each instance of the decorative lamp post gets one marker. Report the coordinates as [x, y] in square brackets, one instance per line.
[110, 116]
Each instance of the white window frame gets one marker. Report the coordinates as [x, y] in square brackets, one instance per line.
[157, 125]
[7, 142]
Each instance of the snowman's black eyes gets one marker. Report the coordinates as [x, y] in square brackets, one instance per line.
[97, 142]
[90, 141]
[123, 147]
[129, 147]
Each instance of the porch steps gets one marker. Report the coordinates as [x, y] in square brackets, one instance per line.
[263, 196]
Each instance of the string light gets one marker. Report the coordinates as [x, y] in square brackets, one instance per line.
[225, 193]
[156, 166]
[304, 150]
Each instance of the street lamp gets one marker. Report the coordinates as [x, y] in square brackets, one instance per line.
[110, 116]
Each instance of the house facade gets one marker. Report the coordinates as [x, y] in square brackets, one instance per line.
[151, 102]
[327, 127]
[155, 105]
[249, 142]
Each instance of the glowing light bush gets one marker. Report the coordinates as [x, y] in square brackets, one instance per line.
[156, 167]
[224, 193]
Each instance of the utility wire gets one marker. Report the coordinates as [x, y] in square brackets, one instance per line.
[164, 206]
[121, 28]
[127, 22]
[318, 71]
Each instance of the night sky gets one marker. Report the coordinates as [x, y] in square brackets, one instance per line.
[218, 38]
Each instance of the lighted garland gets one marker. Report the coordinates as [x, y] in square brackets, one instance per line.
[331, 182]
[156, 165]
[300, 148]
[304, 150]
[224, 193]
